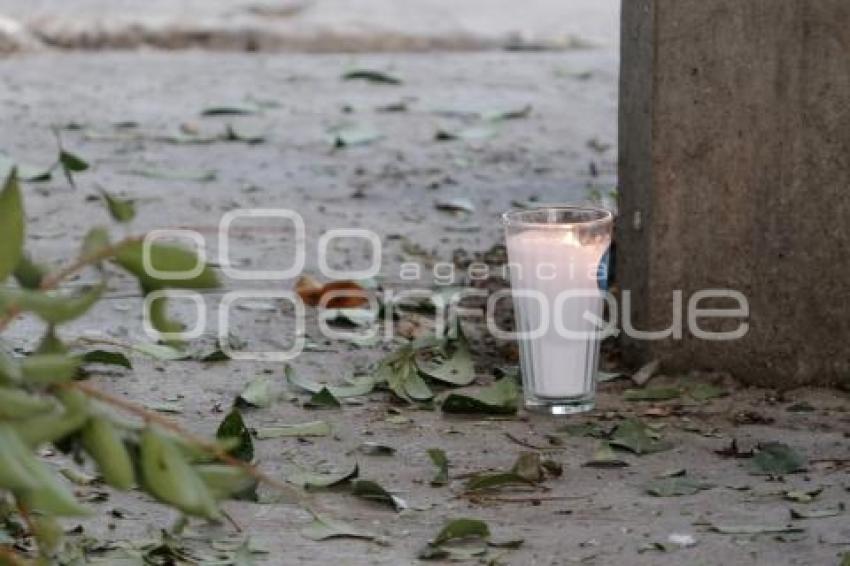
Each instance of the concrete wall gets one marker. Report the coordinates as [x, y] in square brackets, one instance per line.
[735, 173]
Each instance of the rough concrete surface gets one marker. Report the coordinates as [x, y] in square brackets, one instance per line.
[734, 173]
[316, 25]
[592, 516]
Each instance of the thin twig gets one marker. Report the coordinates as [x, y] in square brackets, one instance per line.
[204, 444]
[51, 281]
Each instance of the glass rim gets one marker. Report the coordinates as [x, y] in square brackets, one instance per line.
[515, 217]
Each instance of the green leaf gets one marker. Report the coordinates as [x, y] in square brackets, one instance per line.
[451, 364]
[372, 76]
[501, 398]
[11, 225]
[204, 176]
[652, 394]
[95, 242]
[226, 481]
[501, 114]
[324, 527]
[323, 399]
[399, 372]
[675, 486]
[231, 110]
[29, 274]
[121, 210]
[356, 387]
[47, 369]
[822, 513]
[605, 457]
[233, 427]
[106, 357]
[706, 391]
[439, 458]
[635, 436]
[165, 258]
[483, 481]
[372, 491]
[777, 458]
[469, 133]
[314, 428]
[744, 529]
[347, 136]
[461, 529]
[52, 307]
[375, 449]
[158, 351]
[258, 393]
[51, 343]
[70, 164]
[160, 320]
[529, 467]
[317, 480]
[10, 369]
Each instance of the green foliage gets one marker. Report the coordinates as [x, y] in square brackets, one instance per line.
[11, 225]
[41, 404]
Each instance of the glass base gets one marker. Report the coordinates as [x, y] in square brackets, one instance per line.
[569, 406]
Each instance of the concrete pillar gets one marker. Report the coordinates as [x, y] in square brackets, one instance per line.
[735, 174]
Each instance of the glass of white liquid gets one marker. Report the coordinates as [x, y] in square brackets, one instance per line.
[558, 263]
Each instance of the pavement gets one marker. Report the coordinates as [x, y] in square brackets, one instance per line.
[308, 25]
[130, 113]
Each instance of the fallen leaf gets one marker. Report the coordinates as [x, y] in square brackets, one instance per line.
[777, 458]
[743, 529]
[316, 480]
[343, 294]
[322, 399]
[107, 358]
[484, 481]
[645, 373]
[174, 175]
[441, 461]
[675, 486]
[231, 110]
[375, 449]
[506, 113]
[355, 387]
[463, 528]
[324, 527]
[605, 457]
[803, 496]
[822, 513]
[372, 76]
[652, 394]
[259, 393]
[159, 351]
[706, 391]
[372, 491]
[635, 436]
[233, 428]
[469, 133]
[450, 362]
[501, 398]
[348, 136]
[314, 428]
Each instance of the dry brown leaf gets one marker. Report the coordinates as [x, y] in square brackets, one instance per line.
[342, 294]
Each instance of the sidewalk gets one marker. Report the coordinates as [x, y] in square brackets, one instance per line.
[315, 25]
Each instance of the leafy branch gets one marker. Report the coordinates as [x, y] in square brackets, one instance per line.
[42, 402]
